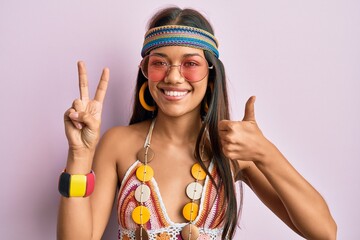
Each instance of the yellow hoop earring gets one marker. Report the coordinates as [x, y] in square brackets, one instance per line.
[142, 98]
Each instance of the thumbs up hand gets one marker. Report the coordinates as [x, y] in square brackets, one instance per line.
[243, 140]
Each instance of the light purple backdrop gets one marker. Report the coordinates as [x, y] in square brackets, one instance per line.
[300, 58]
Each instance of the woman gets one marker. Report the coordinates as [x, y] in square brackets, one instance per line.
[178, 166]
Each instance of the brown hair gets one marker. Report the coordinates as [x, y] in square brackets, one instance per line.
[216, 99]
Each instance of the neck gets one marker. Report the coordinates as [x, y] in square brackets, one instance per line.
[178, 129]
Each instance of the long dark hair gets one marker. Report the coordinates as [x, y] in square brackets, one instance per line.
[214, 107]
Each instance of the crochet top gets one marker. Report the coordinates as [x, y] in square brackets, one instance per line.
[160, 227]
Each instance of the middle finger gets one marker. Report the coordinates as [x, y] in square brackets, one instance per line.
[102, 86]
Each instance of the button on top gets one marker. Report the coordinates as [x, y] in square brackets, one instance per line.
[143, 153]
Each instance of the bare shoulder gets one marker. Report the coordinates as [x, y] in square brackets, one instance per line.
[121, 144]
[123, 135]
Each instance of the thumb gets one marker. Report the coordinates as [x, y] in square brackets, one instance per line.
[249, 109]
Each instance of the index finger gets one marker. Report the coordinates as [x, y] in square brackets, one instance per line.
[102, 86]
[223, 125]
[83, 82]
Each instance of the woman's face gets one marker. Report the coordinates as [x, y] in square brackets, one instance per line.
[173, 93]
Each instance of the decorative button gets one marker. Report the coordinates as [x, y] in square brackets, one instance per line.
[190, 211]
[141, 234]
[141, 155]
[144, 173]
[142, 193]
[141, 215]
[194, 190]
[190, 232]
[197, 172]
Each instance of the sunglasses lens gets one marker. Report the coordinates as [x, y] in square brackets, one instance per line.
[193, 68]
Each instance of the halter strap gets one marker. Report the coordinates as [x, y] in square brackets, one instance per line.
[148, 137]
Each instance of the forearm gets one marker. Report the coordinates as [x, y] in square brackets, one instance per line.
[74, 219]
[305, 206]
[75, 216]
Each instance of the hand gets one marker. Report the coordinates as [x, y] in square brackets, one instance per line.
[243, 140]
[83, 119]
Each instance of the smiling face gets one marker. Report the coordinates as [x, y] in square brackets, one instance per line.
[174, 95]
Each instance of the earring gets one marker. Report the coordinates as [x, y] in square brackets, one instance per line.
[142, 98]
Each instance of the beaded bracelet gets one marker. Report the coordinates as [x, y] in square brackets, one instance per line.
[76, 185]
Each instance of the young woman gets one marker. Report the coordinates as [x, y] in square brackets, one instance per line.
[177, 168]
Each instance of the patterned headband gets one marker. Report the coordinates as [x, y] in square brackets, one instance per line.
[176, 35]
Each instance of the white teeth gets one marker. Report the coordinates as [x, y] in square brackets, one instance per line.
[174, 93]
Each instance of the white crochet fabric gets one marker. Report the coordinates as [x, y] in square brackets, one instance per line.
[173, 232]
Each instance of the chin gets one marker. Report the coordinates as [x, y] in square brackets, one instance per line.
[179, 111]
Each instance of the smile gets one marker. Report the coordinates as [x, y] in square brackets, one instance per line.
[175, 93]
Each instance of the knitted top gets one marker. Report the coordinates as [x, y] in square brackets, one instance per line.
[160, 227]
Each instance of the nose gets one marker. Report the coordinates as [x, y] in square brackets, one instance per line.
[173, 75]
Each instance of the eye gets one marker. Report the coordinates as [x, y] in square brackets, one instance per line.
[189, 64]
[158, 63]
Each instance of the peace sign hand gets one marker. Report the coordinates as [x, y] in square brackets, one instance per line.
[243, 140]
[83, 119]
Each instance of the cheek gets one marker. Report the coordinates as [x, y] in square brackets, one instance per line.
[200, 88]
[152, 88]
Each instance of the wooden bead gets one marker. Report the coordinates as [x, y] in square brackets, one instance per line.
[141, 155]
[141, 234]
[190, 232]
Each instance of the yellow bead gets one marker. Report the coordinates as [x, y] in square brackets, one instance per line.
[144, 173]
[141, 215]
[197, 172]
[77, 185]
[190, 211]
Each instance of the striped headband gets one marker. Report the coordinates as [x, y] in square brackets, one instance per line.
[176, 35]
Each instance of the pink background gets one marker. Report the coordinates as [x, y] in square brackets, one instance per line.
[300, 58]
